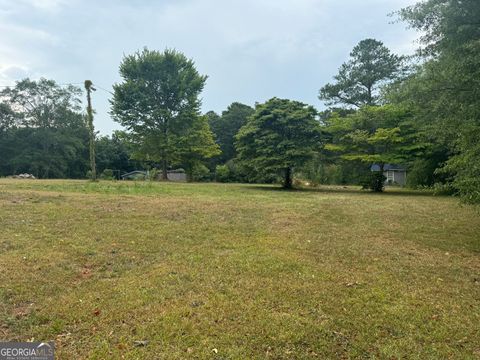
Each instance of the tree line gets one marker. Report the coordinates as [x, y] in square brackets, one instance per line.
[421, 112]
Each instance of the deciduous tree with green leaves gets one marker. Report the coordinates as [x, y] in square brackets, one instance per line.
[158, 103]
[225, 128]
[196, 146]
[444, 92]
[375, 134]
[44, 131]
[281, 135]
[114, 152]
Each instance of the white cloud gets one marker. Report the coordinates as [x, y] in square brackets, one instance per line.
[19, 53]
[45, 5]
[251, 49]
[10, 73]
[20, 33]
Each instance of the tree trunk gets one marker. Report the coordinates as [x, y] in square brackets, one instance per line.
[287, 181]
[164, 170]
[370, 97]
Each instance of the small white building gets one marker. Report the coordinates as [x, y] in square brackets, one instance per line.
[395, 174]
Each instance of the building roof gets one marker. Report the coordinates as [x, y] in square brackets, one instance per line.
[376, 167]
[135, 172]
[145, 173]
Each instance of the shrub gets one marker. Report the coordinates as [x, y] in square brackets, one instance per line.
[223, 173]
[154, 174]
[444, 189]
[232, 171]
[107, 174]
[201, 173]
[374, 181]
[465, 168]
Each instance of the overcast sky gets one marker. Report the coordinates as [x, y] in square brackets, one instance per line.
[251, 50]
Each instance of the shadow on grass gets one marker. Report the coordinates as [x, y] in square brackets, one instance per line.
[344, 190]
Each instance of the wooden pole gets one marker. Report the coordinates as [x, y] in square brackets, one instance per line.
[91, 130]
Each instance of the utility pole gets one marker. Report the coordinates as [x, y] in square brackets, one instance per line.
[91, 130]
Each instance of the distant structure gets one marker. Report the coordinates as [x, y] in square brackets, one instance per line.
[135, 175]
[172, 175]
[176, 175]
[395, 174]
[23, 176]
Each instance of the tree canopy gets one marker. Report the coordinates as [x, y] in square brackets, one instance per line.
[445, 89]
[279, 136]
[196, 146]
[158, 102]
[226, 126]
[41, 130]
[357, 83]
[375, 135]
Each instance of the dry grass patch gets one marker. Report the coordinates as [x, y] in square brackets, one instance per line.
[236, 271]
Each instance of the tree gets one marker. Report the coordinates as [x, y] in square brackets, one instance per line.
[371, 65]
[8, 120]
[114, 152]
[328, 167]
[279, 136]
[42, 103]
[196, 146]
[375, 134]
[8, 117]
[444, 91]
[225, 128]
[158, 101]
[46, 135]
[59, 152]
[212, 118]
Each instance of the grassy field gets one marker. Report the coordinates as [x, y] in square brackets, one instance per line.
[212, 271]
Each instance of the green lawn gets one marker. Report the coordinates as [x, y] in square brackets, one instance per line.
[213, 271]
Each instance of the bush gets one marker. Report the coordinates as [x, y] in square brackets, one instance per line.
[444, 189]
[223, 173]
[154, 174]
[424, 172]
[232, 171]
[375, 182]
[241, 172]
[107, 174]
[201, 173]
[465, 168]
